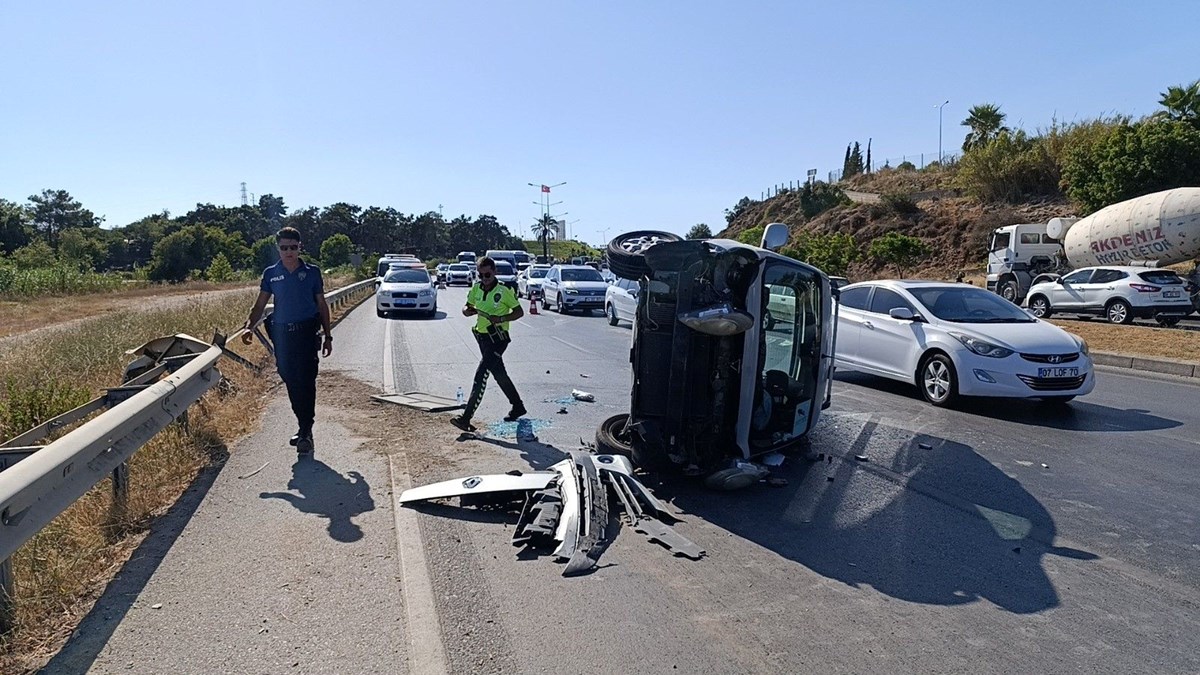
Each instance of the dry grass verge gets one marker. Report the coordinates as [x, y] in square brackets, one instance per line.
[61, 572]
[1163, 343]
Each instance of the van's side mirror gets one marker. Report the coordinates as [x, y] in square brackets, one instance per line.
[902, 314]
[774, 236]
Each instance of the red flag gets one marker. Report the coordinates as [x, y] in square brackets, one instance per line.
[545, 188]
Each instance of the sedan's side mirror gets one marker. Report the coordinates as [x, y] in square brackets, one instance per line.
[1060, 281]
[902, 314]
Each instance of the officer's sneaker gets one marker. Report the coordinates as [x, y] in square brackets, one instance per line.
[304, 444]
[518, 411]
[462, 423]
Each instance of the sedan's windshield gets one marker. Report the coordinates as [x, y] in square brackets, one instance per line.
[537, 272]
[503, 269]
[968, 305]
[582, 275]
[407, 277]
[459, 268]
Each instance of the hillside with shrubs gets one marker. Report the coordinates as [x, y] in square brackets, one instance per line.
[934, 221]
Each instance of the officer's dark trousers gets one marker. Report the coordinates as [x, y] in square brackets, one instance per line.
[492, 362]
[296, 348]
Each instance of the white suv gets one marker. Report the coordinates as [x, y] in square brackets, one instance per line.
[1120, 294]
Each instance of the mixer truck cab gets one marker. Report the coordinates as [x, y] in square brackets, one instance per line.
[1017, 254]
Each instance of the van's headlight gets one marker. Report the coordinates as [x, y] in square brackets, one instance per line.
[982, 347]
[1082, 344]
[570, 291]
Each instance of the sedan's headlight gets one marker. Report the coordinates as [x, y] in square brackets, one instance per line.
[1082, 344]
[982, 347]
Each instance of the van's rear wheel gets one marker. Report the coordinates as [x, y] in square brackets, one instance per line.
[613, 437]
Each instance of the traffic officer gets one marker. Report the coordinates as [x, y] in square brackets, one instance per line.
[495, 305]
[300, 309]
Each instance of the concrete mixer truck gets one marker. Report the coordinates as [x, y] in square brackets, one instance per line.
[1157, 229]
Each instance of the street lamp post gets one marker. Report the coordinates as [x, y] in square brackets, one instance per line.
[939, 107]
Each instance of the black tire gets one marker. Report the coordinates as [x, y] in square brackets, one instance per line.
[1118, 311]
[625, 257]
[558, 305]
[611, 312]
[1009, 291]
[1039, 306]
[1167, 321]
[937, 380]
[770, 320]
[613, 438]
[545, 304]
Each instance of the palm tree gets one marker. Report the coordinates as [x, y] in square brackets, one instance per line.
[544, 231]
[986, 122]
[1182, 104]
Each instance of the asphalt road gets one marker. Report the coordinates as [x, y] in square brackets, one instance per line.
[999, 537]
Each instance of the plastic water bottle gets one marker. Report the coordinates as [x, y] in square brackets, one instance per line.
[458, 396]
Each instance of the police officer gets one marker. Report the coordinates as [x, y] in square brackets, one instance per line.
[495, 305]
[300, 309]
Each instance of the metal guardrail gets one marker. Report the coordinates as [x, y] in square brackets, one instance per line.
[37, 483]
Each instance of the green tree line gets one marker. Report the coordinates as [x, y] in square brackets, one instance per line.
[53, 230]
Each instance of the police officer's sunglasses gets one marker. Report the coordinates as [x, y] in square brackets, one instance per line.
[486, 275]
[289, 247]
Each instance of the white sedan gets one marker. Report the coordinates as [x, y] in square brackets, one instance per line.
[954, 339]
[406, 290]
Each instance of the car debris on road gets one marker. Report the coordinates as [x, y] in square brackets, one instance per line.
[566, 508]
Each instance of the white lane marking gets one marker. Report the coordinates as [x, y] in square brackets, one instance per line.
[555, 337]
[389, 374]
[426, 654]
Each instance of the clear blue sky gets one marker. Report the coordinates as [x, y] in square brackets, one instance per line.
[657, 114]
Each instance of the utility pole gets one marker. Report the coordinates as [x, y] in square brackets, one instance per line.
[943, 105]
[244, 201]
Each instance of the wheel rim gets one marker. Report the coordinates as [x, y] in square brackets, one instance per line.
[937, 381]
[1008, 292]
[1117, 313]
[1039, 307]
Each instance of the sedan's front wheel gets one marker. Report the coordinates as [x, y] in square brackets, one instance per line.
[938, 381]
[612, 314]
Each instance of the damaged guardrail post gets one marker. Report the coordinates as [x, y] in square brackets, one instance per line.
[8, 591]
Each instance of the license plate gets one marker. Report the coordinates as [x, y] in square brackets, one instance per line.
[406, 303]
[1171, 294]
[1058, 372]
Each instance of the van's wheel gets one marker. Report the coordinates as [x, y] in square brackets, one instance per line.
[937, 380]
[612, 314]
[1118, 311]
[613, 437]
[625, 257]
[1039, 306]
[1009, 290]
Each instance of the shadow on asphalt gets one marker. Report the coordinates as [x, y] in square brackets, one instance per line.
[93, 633]
[1078, 415]
[328, 494]
[937, 524]
[411, 316]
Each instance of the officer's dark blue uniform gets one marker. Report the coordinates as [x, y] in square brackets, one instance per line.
[294, 325]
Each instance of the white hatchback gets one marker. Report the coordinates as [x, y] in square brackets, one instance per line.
[954, 339]
[1119, 294]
